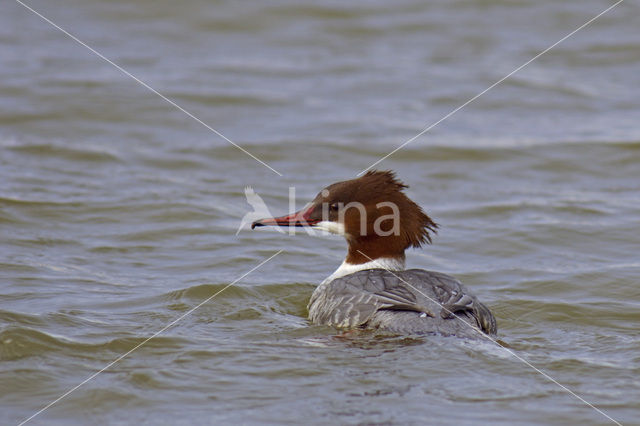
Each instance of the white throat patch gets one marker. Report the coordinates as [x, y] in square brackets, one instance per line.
[331, 227]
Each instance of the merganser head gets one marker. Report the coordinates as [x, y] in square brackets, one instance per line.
[372, 212]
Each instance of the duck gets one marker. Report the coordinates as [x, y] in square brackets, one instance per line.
[371, 289]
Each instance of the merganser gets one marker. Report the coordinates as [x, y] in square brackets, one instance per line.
[372, 289]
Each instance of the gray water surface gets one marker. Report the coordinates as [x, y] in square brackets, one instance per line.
[118, 212]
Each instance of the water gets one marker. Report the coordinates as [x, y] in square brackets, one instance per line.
[118, 212]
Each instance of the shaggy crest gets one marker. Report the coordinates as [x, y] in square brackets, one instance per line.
[416, 227]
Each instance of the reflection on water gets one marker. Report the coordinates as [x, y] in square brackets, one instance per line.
[118, 212]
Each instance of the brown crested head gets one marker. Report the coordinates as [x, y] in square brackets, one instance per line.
[372, 212]
[378, 218]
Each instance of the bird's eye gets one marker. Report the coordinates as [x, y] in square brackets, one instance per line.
[334, 206]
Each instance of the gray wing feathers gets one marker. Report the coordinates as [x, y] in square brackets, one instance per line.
[354, 300]
[454, 298]
[352, 303]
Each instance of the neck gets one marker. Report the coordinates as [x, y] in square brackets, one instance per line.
[389, 263]
[367, 249]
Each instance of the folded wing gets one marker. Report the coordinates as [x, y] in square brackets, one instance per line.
[424, 301]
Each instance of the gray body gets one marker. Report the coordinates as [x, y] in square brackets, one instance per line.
[405, 302]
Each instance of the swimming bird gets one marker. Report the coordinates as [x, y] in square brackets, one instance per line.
[371, 289]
